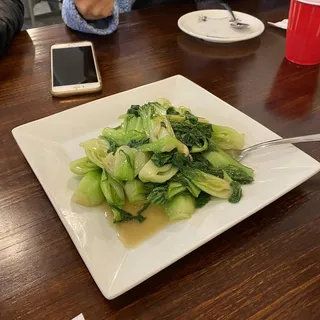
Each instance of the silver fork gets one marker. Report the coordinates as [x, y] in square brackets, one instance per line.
[242, 153]
[235, 22]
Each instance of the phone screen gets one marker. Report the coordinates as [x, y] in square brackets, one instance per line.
[73, 66]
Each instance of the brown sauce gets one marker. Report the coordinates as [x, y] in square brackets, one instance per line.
[132, 233]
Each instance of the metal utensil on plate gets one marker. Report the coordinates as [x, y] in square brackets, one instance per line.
[242, 153]
[234, 22]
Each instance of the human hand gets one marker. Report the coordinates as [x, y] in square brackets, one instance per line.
[94, 9]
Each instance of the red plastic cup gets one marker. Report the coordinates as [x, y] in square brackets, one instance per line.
[303, 33]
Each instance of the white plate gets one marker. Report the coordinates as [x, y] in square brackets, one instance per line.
[217, 28]
[49, 144]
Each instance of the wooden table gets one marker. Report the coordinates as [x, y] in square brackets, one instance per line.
[267, 267]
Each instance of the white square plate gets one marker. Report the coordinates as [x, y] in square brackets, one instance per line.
[49, 144]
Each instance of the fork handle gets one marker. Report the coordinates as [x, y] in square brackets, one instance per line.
[227, 7]
[309, 138]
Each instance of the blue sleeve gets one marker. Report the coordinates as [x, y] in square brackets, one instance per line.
[75, 21]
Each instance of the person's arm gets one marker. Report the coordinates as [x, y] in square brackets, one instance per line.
[11, 21]
[94, 16]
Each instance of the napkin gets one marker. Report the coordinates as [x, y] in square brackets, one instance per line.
[79, 317]
[281, 24]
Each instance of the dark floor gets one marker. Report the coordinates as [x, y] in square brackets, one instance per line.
[43, 15]
[43, 20]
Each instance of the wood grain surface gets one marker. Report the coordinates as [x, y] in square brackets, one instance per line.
[266, 267]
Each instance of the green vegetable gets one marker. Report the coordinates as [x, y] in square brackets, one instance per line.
[160, 159]
[141, 159]
[195, 149]
[163, 155]
[175, 188]
[203, 199]
[184, 182]
[89, 193]
[134, 110]
[236, 192]
[237, 171]
[138, 143]
[158, 107]
[113, 145]
[183, 110]
[133, 122]
[130, 133]
[201, 163]
[158, 195]
[151, 173]
[178, 184]
[208, 183]
[123, 138]
[182, 206]
[193, 134]
[137, 192]
[156, 125]
[175, 116]
[239, 174]
[82, 166]
[112, 190]
[234, 154]
[120, 215]
[190, 117]
[96, 150]
[165, 144]
[126, 163]
[165, 103]
[236, 189]
[227, 138]
[173, 111]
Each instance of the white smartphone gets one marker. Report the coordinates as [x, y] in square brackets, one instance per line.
[74, 69]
